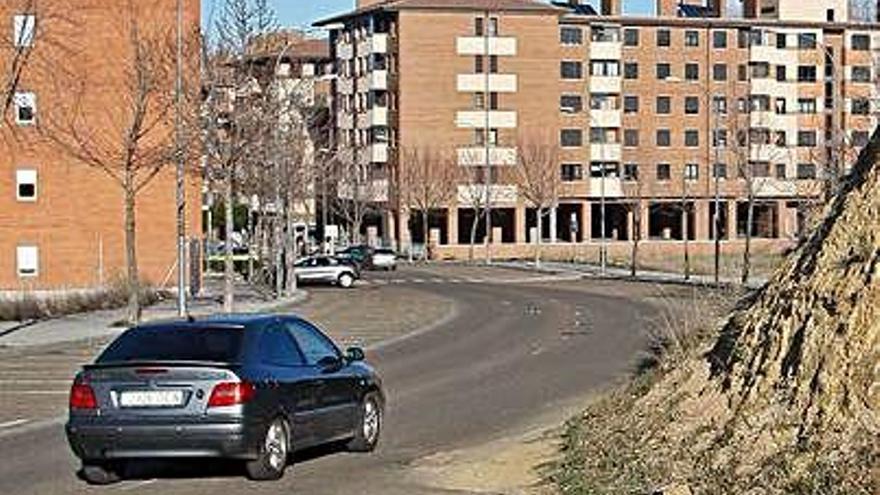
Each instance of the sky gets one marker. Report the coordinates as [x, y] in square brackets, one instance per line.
[301, 13]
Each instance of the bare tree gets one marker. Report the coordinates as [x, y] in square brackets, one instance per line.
[537, 178]
[634, 190]
[132, 141]
[426, 181]
[475, 190]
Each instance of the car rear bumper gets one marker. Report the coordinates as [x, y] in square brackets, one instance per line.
[98, 441]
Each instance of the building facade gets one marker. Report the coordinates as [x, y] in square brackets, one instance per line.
[654, 120]
[61, 219]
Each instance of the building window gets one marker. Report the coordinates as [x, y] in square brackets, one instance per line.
[493, 64]
[719, 104]
[630, 104]
[807, 41]
[760, 70]
[781, 139]
[806, 171]
[861, 42]
[25, 108]
[603, 101]
[691, 171]
[760, 169]
[571, 70]
[27, 261]
[691, 72]
[781, 41]
[806, 73]
[742, 72]
[861, 106]
[26, 185]
[571, 103]
[719, 72]
[663, 37]
[603, 135]
[571, 138]
[24, 29]
[780, 106]
[479, 66]
[829, 15]
[663, 138]
[781, 172]
[807, 105]
[781, 76]
[479, 101]
[691, 38]
[691, 105]
[631, 70]
[719, 171]
[664, 105]
[760, 103]
[719, 39]
[806, 139]
[860, 138]
[719, 138]
[493, 101]
[861, 73]
[608, 68]
[630, 37]
[691, 138]
[599, 33]
[571, 36]
[630, 171]
[664, 171]
[631, 137]
[572, 172]
[663, 71]
[742, 38]
[479, 26]
[493, 26]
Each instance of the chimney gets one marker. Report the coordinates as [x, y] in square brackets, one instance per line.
[610, 7]
[667, 8]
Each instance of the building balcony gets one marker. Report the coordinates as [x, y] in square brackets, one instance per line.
[476, 156]
[612, 187]
[377, 116]
[605, 118]
[344, 51]
[379, 43]
[379, 80]
[378, 153]
[606, 50]
[605, 84]
[497, 83]
[478, 45]
[498, 194]
[605, 152]
[477, 119]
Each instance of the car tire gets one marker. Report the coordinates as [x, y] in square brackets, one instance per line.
[101, 473]
[369, 426]
[272, 453]
[346, 280]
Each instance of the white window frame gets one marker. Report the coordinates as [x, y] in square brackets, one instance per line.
[25, 98]
[24, 30]
[26, 176]
[27, 261]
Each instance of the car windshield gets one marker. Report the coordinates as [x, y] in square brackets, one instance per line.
[175, 344]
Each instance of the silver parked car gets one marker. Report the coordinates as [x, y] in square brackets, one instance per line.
[384, 259]
[327, 270]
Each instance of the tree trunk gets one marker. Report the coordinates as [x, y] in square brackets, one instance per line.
[540, 221]
[747, 249]
[228, 263]
[291, 250]
[637, 236]
[131, 263]
[474, 225]
[426, 235]
[685, 227]
[251, 233]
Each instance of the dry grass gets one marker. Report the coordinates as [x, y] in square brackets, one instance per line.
[28, 306]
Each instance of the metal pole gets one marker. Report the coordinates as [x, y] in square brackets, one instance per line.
[603, 246]
[487, 102]
[717, 216]
[181, 190]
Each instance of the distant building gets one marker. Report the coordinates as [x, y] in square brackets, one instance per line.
[641, 107]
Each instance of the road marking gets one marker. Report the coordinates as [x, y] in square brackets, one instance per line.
[35, 392]
[417, 281]
[31, 381]
[439, 280]
[135, 486]
[13, 423]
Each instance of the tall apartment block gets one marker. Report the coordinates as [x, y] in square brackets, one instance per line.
[652, 116]
[62, 220]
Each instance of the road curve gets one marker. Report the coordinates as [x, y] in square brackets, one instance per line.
[512, 353]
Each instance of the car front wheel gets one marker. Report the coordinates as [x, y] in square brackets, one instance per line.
[369, 428]
[101, 473]
[272, 455]
[346, 280]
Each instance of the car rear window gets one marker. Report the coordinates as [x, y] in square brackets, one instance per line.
[176, 344]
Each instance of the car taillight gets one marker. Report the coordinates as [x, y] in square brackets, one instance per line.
[230, 394]
[82, 397]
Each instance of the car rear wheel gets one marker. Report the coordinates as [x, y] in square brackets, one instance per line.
[346, 280]
[101, 473]
[369, 428]
[272, 454]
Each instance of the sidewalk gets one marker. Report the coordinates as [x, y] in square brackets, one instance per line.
[613, 272]
[98, 324]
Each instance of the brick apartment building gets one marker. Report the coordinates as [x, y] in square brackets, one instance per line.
[640, 107]
[61, 221]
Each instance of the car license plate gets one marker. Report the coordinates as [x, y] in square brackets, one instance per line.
[151, 398]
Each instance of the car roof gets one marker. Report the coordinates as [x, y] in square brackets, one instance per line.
[241, 320]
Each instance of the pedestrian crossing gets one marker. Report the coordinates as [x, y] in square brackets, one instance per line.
[424, 280]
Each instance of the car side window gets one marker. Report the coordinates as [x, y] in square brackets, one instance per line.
[314, 345]
[323, 262]
[278, 348]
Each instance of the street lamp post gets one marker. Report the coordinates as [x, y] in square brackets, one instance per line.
[716, 218]
[181, 190]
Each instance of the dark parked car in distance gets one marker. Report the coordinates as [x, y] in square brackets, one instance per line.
[361, 255]
[254, 388]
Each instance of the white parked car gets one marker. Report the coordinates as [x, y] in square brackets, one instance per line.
[325, 269]
[384, 259]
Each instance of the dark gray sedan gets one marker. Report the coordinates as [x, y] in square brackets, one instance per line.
[254, 388]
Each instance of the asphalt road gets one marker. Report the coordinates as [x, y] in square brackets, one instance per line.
[511, 353]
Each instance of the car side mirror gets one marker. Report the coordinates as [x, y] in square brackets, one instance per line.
[353, 354]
